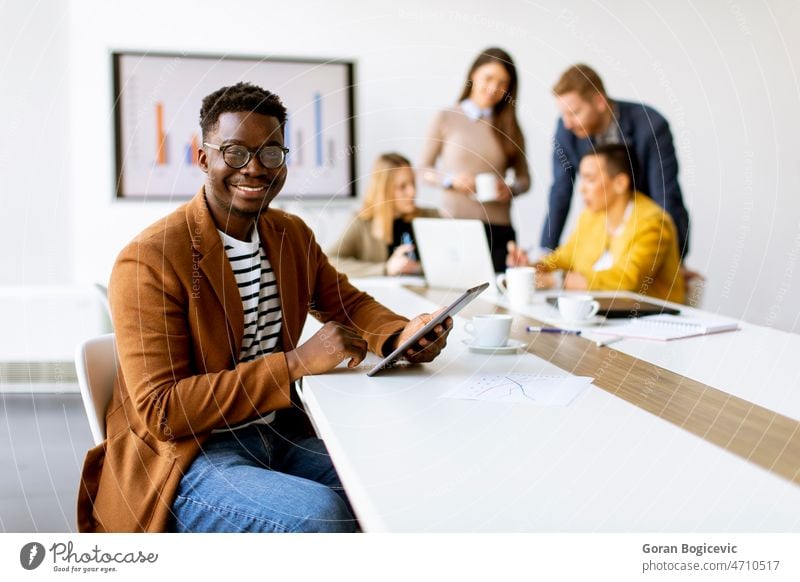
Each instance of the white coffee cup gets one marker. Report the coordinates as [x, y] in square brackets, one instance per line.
[577, 307]
[489, 331]
[518, 284]
[486, 187]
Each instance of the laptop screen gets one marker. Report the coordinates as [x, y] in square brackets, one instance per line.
[454, 253]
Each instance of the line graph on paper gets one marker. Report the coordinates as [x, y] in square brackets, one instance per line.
[503, 387]
[521, 388]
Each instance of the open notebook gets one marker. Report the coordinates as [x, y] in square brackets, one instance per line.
[668, 327]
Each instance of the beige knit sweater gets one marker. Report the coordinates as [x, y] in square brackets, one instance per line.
[457, 144]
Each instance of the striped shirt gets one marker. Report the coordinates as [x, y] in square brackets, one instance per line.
[261, 302]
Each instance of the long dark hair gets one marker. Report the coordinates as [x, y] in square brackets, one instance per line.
[504, 119]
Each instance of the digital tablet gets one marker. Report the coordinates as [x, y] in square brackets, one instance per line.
[625, 307]
[451, 310]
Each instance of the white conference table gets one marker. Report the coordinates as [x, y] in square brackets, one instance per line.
[414, 462]
[758, 363]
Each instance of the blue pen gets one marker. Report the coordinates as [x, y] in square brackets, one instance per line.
[553, 330]
[405, 239]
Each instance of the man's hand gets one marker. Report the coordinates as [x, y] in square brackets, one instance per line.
[332, 344]
[428, 346]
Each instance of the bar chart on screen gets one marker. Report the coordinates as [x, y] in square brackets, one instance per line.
[158, 137]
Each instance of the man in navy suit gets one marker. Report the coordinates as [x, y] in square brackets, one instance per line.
[590, 118]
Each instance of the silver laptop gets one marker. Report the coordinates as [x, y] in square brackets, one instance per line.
[454, 253]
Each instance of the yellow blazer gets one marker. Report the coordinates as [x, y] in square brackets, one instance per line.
[645, 252]
[179, 325]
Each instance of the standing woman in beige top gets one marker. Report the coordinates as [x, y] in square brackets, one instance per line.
[480, 135]
[379, 239]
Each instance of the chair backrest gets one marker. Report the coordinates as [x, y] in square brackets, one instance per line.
[96, 365]
[695, 290]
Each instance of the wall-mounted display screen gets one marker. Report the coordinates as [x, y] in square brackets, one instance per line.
[157, 129]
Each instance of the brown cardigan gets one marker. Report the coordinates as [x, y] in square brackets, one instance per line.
[179, 325]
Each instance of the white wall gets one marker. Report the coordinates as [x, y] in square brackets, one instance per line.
[34, 143]
[723, 72]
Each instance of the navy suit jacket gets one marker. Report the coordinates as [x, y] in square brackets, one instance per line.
[646, 134]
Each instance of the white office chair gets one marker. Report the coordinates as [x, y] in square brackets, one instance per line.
[695, 290]
[96, 365]
[102, 294]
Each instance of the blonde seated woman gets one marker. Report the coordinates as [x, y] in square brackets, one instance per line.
[379, 239]
[623, 241]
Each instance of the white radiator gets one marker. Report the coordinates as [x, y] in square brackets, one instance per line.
[40, 326]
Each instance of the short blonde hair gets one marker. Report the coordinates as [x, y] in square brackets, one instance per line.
[378, 203]
[581, 79]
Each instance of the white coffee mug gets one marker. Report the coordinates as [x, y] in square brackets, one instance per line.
[489, 331]
[577, 307]
[518, 284]
[486, 187]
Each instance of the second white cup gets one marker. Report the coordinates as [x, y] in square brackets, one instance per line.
[577, 307]
[518, 284]
[489, 331]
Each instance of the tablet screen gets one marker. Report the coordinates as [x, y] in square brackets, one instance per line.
[451, 310]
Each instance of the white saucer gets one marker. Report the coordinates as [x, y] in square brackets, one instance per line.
[511, 346]
[569, 323]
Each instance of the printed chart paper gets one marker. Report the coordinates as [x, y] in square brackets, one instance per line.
[522, 388]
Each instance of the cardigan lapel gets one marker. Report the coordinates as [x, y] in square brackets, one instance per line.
[209, 255]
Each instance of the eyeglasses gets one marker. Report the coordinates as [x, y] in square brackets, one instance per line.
[237, 156]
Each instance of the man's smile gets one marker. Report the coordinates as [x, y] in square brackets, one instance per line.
[249, 189]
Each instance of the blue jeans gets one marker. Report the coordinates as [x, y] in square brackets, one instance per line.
[260, 479]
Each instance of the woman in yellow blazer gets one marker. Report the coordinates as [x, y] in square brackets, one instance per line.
[623, 241]
[379, 238]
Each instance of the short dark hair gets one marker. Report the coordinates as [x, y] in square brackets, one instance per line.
[240, 97]
[582, 79]
[618, 160]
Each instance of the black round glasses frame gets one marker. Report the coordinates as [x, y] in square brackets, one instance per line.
[240, 149]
